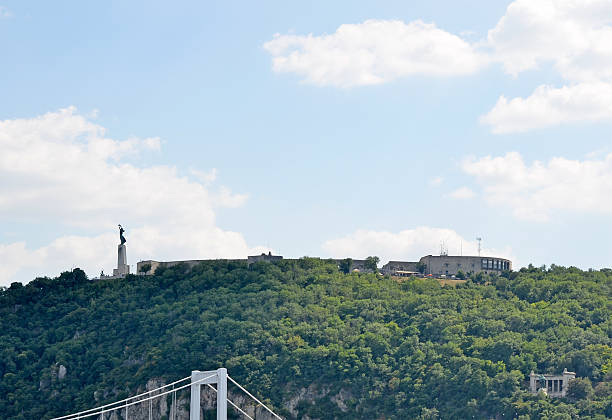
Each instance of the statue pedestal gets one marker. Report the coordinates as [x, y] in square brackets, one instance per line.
[122, 267]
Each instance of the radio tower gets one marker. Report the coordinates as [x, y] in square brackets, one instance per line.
[479, 240]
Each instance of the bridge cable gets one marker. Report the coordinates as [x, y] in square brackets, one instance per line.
[118, 402]
[253, 397]
[80, 415]
[232, 403]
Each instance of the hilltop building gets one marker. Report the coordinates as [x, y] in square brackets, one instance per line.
[443, 265]
[451, 265]
[401, 268]
[252, 259]
[448, 265]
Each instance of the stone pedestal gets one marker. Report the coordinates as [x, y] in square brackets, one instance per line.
[122, 267]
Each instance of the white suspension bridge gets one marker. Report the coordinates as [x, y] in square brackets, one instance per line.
[197, 379]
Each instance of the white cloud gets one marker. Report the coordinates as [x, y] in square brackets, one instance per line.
[407, 245]
[549, 106]
[534, 191]
[573, 36]
[436, 181]
[374, 52]
[60, 168]
[463, 193]
[204, 177]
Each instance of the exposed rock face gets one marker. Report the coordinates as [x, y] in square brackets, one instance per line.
[61, 372]
[340, 399]
[313, 393]
[177, 407]
[158, 406]
[43, 384]
[305, 394]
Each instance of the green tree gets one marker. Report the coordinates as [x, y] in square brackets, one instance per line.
[144, 268]
[346, 265]
[421, 267]
[580, 389]
[371, 263]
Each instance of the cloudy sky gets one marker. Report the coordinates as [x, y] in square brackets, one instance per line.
[334, 129]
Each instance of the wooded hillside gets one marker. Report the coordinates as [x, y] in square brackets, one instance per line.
[313, 341]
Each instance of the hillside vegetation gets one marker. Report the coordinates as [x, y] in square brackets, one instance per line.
[313, 341]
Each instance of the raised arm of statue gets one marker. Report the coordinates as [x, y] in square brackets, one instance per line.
[121, 237]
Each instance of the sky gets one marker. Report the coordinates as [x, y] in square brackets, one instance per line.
[332, 129]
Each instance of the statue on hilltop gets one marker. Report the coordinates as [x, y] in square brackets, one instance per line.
[121, 237]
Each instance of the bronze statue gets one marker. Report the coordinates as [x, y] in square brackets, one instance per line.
[542, 380]
[121, 230]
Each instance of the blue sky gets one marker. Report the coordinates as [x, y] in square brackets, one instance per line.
[333, 129]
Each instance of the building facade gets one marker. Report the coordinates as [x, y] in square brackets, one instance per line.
[552, 385]
[252, 259]
[401, 268]
[450, 265]
[447, 265]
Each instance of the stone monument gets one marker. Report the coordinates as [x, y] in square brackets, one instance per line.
[122, 267]
[551, 385]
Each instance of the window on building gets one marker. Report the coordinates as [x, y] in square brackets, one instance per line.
[484, 263]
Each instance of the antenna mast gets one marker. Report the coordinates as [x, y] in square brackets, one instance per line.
[443, 249]
[479, 239]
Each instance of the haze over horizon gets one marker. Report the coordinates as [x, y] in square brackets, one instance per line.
[349, 129]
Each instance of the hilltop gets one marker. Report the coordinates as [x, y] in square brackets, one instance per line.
[315, 342]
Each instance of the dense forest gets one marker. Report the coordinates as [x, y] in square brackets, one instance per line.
[341, 346]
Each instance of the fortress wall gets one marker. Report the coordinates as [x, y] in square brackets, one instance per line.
[155, 264]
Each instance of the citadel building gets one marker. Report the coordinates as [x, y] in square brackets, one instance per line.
[448, 265]
[443, 265]
[434, 265]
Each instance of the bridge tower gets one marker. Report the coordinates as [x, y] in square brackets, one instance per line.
[199, 378]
